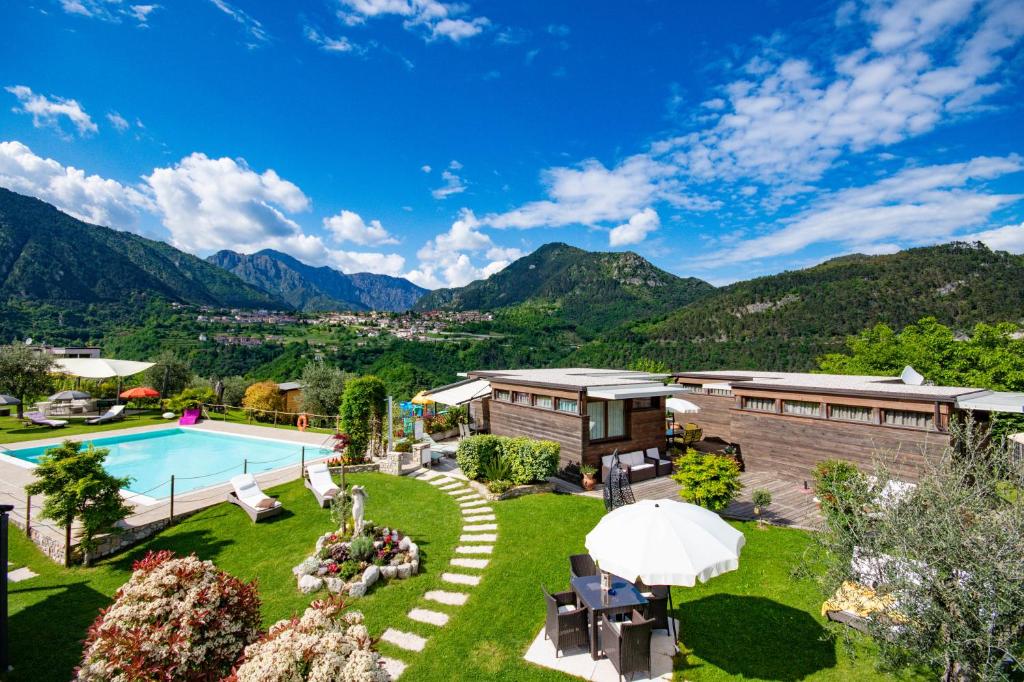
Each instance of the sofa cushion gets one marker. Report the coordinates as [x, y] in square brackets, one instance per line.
[641, 467]
[632, 458]
[654, 453]
[607, 460]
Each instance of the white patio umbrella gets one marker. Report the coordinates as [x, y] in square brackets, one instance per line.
[101, 368]
[665, 542]
[680, 406]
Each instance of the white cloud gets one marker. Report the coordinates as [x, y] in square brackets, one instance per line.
[328, 44]
[360, 261]
[108, 10]
[88, 197]
[446, 260]
[48, 111]
[785, 121]
[1007, 238]
[435, 18]
[252, 26]
[560, 30]
[636, 230]
[453, 184]
[349, 226]
[590, 194]
[426, 168]
[119, 122]
[209, 204]
[916, 206]
[454, 165]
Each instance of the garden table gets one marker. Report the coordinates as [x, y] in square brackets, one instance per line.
[588, 590]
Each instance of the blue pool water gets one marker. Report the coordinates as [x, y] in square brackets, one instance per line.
[196, 458]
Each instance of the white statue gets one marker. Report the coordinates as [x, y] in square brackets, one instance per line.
[359, 498]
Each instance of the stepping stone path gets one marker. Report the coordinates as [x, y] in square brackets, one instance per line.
[19, 574]
[479, 533]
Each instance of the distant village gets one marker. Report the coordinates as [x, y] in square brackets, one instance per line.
[433, 325]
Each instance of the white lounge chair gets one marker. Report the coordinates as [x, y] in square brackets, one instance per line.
[114, 413]
[248, 495]
[318, 480]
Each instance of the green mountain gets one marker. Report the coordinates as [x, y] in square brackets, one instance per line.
[594, 291]
[318, 288]
[785, 321]
[46, 255]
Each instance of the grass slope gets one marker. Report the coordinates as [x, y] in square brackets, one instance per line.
[755, 623]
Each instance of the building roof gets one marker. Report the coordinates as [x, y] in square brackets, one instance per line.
[829, 383]
[289, 386]
[460, 392]
[572, 378]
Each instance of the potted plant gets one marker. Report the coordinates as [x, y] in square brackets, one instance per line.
[761, 499]
[589, 473]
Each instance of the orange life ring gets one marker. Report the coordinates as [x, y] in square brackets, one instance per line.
[302, 422]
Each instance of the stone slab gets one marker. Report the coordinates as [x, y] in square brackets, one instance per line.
[460, 578]
[445, 597]
[470, 563]
[393, 666]
[19, 574]
[478, 519]
[430, 617]
[480, 526]
[479, 537]
[474, 549]
[404, 640]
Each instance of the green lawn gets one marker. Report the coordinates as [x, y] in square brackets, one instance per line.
[12, 431]
[755, 623]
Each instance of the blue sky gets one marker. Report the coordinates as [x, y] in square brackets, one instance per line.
[440, 140]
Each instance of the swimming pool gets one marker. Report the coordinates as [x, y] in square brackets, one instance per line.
[197, 459]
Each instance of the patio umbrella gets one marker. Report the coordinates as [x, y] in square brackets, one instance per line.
[140, 392]
[62, 396]
[680, 406]
[665, 542]
[8, 400]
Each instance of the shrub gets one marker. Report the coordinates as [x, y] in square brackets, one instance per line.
[234, 390]
[404, 445]
[497, 469]
[175, 619]
[761, 498]
[839, 487]
[262, 397]
[476, 451]
[439, 422]
[712, 481]
[362, 412]
[189, 398]
[324, 644]
[169, 374]
[361, 548]
[531, 460]
[498, 486]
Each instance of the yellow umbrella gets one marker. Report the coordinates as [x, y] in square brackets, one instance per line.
[421, 399]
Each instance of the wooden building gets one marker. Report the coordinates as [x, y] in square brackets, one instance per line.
[788, 422]
[291, 396]
[589, 412]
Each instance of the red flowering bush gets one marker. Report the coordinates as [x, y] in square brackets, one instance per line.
[177, 618]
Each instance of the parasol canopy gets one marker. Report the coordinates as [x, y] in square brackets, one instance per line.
[8, 400]
[62, 396]
[101, 368]
[665, 542]
[680, 406]
[140, 392]
[421, 399]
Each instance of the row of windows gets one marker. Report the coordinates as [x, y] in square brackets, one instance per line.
[697, 388]
[542, 401]
[851, 413]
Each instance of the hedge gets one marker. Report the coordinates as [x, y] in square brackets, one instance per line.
[530, 460]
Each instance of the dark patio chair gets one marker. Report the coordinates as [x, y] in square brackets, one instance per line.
[581, 565]
[656, 609]
[627, 644]
[566, 624]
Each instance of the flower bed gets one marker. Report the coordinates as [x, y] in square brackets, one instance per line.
[351, 565]
[324, 644]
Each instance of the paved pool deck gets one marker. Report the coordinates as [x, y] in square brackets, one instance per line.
[15, 474]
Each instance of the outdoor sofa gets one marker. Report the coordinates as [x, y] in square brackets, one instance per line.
[635, 464]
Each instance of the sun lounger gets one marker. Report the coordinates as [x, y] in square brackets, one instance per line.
[248, 495]
[37, 419]
[318, 480]
[190, 417]
[114, 413]
[440, 449]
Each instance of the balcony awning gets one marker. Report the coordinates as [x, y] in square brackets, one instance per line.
[460, 393]
[627, 391]
[992, 401]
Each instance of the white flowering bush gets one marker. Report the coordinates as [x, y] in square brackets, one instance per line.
[177, 618]
[324, 645]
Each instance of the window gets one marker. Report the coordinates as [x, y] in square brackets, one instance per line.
[607, 419]
[544, 401]
[520, 398]
[919, 420]
[643, 403]
[690, 388]
[718, 391]
[502, 394]
[851, 413]
[759, 404]
[801, 408]
[596, 412]
[567, 405]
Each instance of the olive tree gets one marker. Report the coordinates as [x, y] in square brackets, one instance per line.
[24, 373]
[946, 551]
[170, 374]
[322, 388]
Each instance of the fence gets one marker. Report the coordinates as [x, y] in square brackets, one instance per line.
[319, 422]
[147, 519]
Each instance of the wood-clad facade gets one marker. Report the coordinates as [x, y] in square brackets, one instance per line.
[788, 431]
[562, 415]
